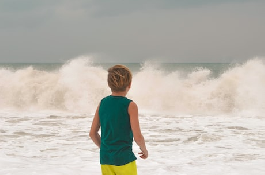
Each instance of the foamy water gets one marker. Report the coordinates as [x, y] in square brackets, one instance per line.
[193, 122]
[79, 85]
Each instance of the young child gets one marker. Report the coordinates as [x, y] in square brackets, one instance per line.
[117, 116]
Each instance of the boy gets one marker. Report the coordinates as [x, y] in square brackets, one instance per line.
[117, 117]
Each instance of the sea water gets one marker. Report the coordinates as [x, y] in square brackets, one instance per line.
[196, 118]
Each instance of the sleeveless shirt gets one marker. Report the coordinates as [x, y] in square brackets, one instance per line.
[116, 132]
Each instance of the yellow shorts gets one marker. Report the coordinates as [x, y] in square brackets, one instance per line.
[128, 169]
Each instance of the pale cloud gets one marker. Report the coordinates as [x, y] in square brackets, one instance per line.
[131, 31]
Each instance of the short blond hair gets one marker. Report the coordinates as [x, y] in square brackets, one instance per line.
[119, 78]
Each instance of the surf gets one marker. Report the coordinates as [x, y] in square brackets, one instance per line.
[78, 85]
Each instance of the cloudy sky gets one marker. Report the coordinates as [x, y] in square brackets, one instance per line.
[132, 30]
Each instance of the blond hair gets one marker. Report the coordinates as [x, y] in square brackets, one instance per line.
[119, 78]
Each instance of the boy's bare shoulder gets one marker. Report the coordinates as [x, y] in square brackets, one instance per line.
[133, 104]
[133, 108]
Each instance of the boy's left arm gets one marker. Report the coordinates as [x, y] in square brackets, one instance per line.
[94, 135]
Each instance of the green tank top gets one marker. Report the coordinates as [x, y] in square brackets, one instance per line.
[116, 132]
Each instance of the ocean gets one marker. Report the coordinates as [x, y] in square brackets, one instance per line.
[203, 118]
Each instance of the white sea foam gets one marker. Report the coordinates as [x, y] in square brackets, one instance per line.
[46, 143]
[239, 88]
[79, 85]
[76, 86]
[193, 122]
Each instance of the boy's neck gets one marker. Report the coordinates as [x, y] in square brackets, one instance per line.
[122, 93]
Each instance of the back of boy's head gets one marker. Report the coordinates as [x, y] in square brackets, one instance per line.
[119, 78]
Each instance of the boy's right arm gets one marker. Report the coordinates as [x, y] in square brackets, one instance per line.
[95, 128]
[138, 137]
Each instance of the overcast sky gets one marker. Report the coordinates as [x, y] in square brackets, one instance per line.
[132, 30]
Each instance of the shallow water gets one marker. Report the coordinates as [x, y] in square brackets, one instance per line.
[58, 144]
[196, 118]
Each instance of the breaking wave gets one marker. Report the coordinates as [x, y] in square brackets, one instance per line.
[79, 85]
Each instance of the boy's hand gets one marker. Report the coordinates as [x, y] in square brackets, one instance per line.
[143, 154]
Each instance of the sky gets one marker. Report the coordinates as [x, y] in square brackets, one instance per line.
[190, 31]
